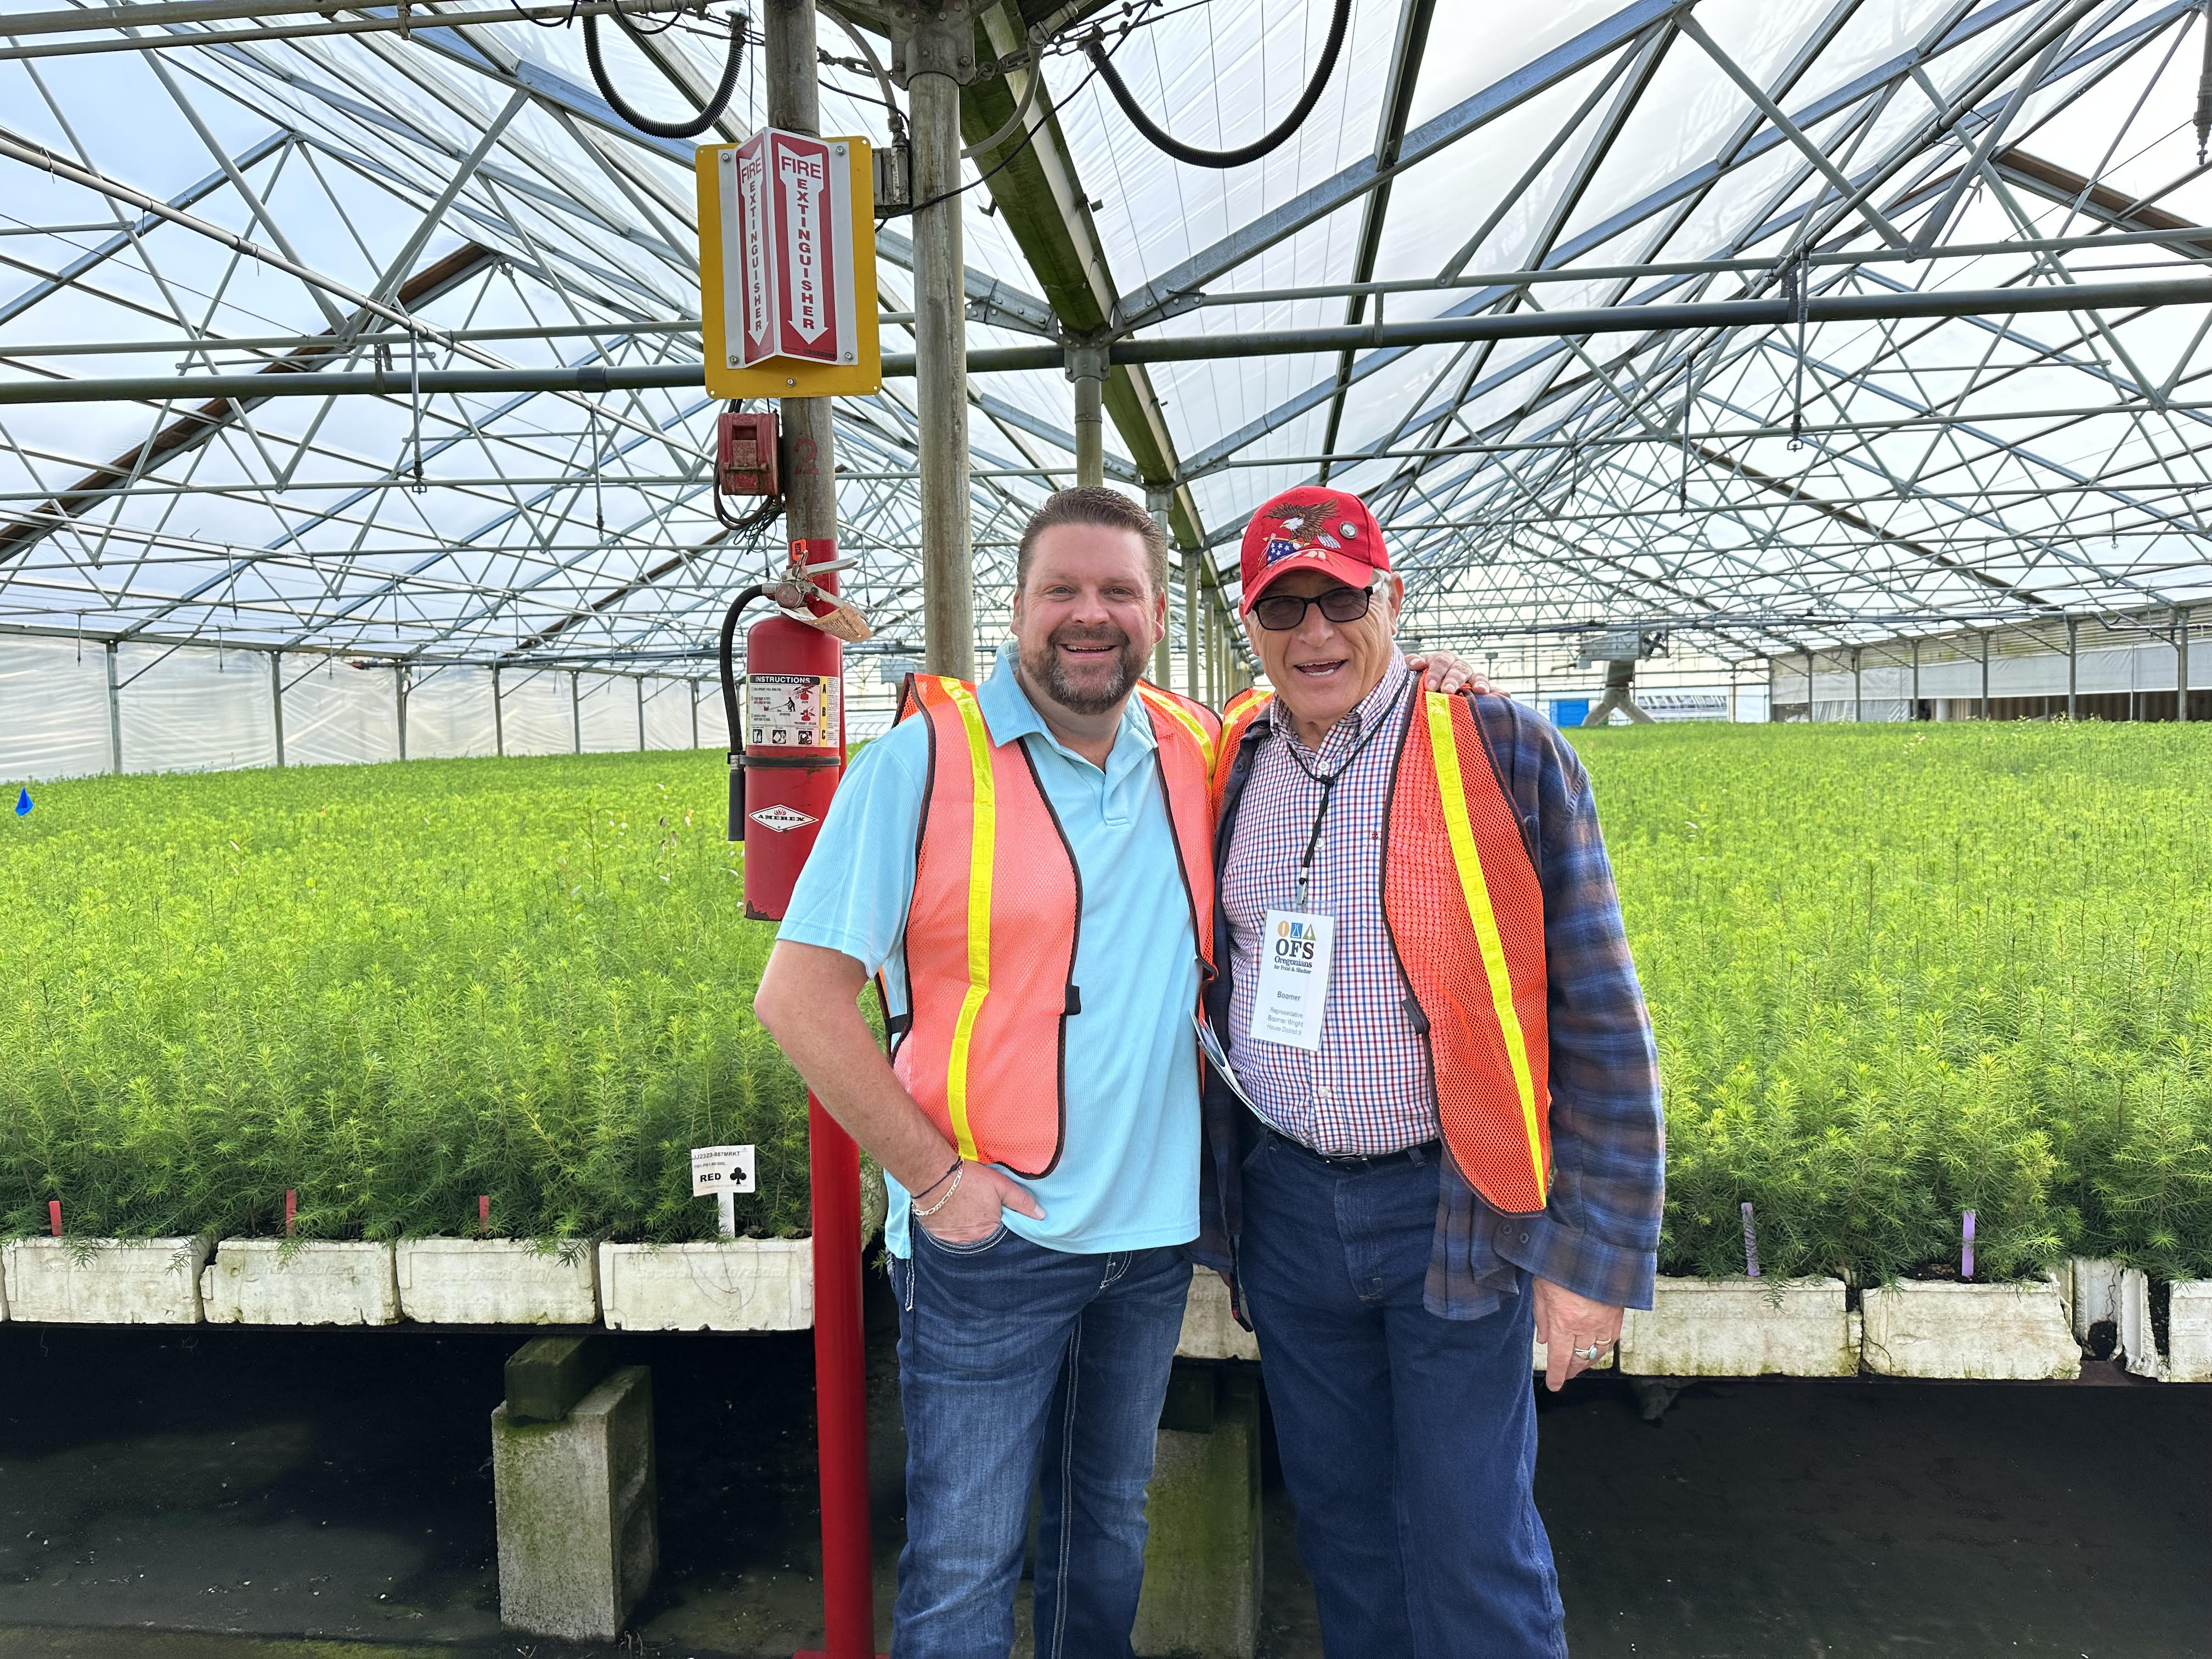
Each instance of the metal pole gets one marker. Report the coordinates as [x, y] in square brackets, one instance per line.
[1159, 501]
[575, 712]
[399, 704]
[938, 58]
[1915, 680]
[2073, 667]
[833, 1159]
[1190, 647]
[1773, 684]
[640, 684]
[114, 715]
[498, 715]
[1086, 367]
[1858, 690]
[1985, 671]
[1810, 714]
[2181, 656]
[276, 699]
[694, 684]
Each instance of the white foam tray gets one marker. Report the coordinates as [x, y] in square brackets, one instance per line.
[745, 1285]
[1740, 1327]
[257, 1281]
[2005, 1332]
[105, 1281]
[497, 1281]
[2189, 1332]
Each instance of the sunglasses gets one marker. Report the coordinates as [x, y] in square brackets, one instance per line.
[1279, 613]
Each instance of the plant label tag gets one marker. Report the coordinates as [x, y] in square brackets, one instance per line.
[721, 1169]
[1292, 994]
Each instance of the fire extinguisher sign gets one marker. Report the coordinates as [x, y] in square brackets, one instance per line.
[792, 711]
[786, 266]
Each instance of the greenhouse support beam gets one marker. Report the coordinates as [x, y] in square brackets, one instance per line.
[1986, 632]
[399, 704]
[2072, 666]
[1159, 501]
[937, 56]
[833, 1159]
[114, 713]
[276, 700]
[1888, 306]
[499, 716]
[2181, 662]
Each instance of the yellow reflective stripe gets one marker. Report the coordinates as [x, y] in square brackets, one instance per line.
[1444, 743]
[982, 847]
[1189, 722]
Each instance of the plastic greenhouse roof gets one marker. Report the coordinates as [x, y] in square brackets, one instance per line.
[1893, 476]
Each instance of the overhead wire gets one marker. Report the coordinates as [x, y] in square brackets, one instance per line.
[1267, 143]
[708, 115]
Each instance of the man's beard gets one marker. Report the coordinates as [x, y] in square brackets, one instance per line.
[1046, 669]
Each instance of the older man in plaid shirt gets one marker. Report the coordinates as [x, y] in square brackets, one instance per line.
[1394, 1305]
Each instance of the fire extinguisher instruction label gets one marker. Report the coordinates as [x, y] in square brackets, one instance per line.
[792, 711]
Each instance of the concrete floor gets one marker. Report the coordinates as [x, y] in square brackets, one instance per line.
[226, 1493]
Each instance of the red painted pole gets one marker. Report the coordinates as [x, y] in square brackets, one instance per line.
[840, 1392]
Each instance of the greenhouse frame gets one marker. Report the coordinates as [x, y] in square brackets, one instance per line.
[437, 190]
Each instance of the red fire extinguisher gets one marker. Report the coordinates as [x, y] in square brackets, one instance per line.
[787, 741]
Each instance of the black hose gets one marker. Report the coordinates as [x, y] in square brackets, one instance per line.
[1259, 147]
[725, 653]
[706, 117]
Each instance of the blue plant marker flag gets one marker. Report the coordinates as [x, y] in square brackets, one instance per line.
[23, 804]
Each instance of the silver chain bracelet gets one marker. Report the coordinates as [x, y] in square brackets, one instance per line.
[958, 1176]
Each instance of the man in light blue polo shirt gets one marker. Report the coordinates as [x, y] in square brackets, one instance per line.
[1038, 1317]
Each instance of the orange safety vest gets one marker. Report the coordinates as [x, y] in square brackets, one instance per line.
[1464, 910]
[991, 933]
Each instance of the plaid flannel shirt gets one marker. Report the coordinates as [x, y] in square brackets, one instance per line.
[1599, 1233]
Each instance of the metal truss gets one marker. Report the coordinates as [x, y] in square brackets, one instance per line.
[252, 191]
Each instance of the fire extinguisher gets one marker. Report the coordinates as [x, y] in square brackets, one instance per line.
[788, 742]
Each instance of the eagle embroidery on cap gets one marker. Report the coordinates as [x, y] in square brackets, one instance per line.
[1303, 522]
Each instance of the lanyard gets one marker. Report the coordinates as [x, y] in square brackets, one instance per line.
[1328, 786]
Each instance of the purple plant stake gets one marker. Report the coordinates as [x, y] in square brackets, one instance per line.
[1750, 1243]
[1966, 1249]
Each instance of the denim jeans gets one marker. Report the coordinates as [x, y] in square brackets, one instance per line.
[1021, 1367]
[1408, 1442]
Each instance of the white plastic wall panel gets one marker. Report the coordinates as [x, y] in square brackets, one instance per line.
[537, 714]
[53, 709]
[449, 713]
[338, 714]
[713, 728]
[668, 714]
[195, 710]
[607, 712]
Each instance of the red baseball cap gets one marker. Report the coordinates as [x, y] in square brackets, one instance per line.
[1312, 527]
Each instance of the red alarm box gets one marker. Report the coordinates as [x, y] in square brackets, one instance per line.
[744, 453]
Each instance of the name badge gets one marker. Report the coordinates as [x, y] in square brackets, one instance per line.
[1292, 994]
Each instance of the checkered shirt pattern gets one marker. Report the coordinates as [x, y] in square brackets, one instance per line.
[1367, 1090]
[1599, 1232]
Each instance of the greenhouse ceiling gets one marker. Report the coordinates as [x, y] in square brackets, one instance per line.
[257, 190]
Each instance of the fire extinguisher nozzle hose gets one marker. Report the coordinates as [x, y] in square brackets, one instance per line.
[725, 652]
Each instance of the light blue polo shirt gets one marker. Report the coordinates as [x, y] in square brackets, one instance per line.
[1129, 1177]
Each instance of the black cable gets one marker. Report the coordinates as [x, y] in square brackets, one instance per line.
[1259, 147]
[706, 117]
[725, 655]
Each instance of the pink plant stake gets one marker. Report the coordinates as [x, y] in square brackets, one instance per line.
[1750, 1243]
[483, 1212]
[1966, 1249]
[291, 1210]
[54, 1216]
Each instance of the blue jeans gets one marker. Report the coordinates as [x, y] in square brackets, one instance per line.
[1019, 1365]
[1408, 1442]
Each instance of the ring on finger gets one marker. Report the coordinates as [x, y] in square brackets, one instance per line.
[1593, 1354]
